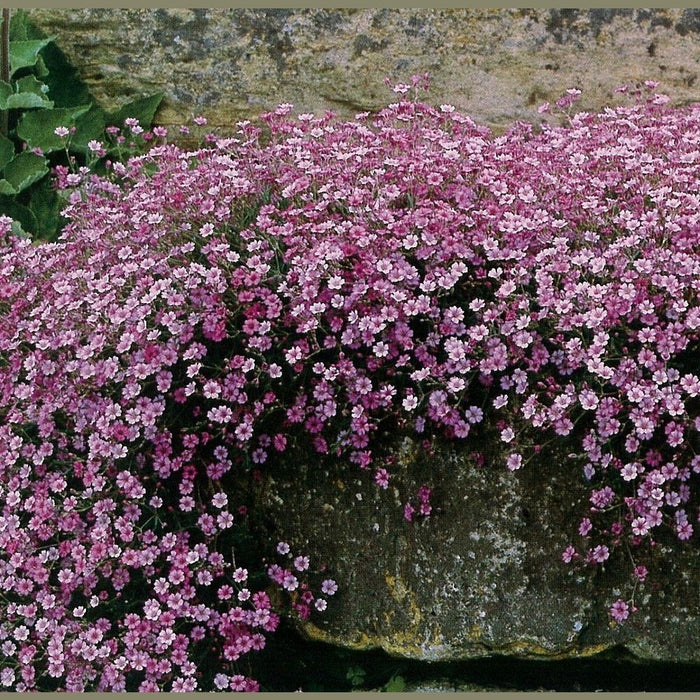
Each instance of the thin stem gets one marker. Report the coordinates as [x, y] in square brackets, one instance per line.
[5, 64]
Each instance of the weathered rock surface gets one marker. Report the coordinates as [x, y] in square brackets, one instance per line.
[496, 64]
[482, 575]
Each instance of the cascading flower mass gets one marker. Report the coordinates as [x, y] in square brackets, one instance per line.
[313, 280]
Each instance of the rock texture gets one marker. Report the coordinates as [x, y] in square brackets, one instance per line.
[483, 574]
[496, 64]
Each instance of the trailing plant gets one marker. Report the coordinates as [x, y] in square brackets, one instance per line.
[207, 312]
[40, 93]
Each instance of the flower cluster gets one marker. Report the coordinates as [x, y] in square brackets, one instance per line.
[423, 508]
[206, 312]
[116, 528]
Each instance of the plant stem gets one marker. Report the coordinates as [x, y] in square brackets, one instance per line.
[5, 61]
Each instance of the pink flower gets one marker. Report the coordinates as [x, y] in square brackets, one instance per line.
[219, 500]
[640, 526]
[568, 554]
[641, 572]
[684, 531]
[619, 610]
[514, 461]
[301, 563]
[599, 554]
[381, 478]
[426, 277]
[329, 587]
[290, 582]
[96, 147]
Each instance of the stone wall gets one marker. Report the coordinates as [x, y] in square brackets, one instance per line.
[483, 575]
[496, 64]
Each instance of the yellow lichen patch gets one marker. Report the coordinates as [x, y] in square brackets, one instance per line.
[404, 596]
[476, 633]
[401, 594]
[407, 644]
[355, 640]
[403, 644]
[531, 649]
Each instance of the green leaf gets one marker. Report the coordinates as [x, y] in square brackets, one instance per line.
[20, 27]
[23, 171]
[27, 100]
[37, 128]
[30, 84]
[24, 54]
[17, 230]
[89, 126]
[46, 205]
[20, 213]
[143, 109]
[7, 151]
[6, 90]
[396, 684]
[6, 188]
[28, 96]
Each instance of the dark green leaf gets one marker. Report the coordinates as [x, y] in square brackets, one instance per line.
[90, 125]
[46, 205]
[66, 88]
[22, 171]
[30, 84]
[40, 69]
[356, 675]
[24, 54]
[143, 109]
[37, 128]
[395, 685]
[7, 151]
[150, 168]
[20, 213]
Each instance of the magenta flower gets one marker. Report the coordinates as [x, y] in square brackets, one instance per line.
[619, 611]
[329, 587]
[301, 563]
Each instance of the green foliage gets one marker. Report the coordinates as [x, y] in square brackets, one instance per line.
[25, 54]
[356, 675]
[36, 128]
[143, 109]
[22, 171]
[396, 684]
[45, 92]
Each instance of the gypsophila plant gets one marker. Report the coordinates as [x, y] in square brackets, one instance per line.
[207, 312]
